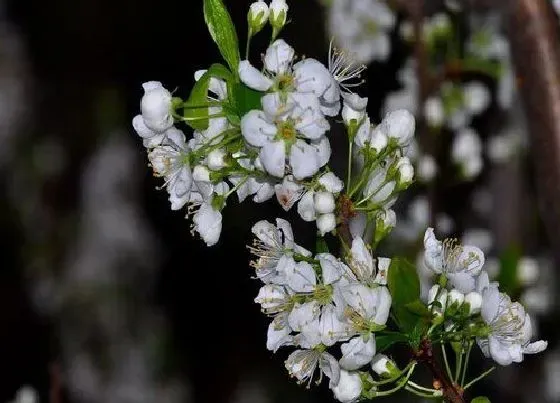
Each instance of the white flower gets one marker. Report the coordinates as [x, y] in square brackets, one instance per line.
[427, 168]
[349, 387]
[257, 16]
[156, 107]
[510, 329]
[378, 188]
[460, 264]
[303, 314]
[253, 77]
[362, 27]
[476, 96]
[208, 223]
[273, 299]
[399, 125]
[332, 328]
[288, 192]
[272, 248]
[358, 352]
[326, 223]
[434, 111]
[302, 364]
[283, 139]
[278, 333]
[354, 108]
[374, 138]
[367, 306]
[278, 13]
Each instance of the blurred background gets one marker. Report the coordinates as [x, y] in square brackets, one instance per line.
[104, 294]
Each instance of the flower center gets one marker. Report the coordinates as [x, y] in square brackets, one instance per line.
[286, 131]
[285, 82]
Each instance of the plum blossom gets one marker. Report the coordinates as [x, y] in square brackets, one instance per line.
[460, 264]
[510, 331]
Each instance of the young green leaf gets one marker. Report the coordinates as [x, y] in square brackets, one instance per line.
[222, 31]
[196, 116]
[246, 99]
[384, 340]
[480, 399]
[403, 282]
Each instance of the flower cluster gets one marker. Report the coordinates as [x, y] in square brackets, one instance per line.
[321, 302]
[464, 290]
[261, 131]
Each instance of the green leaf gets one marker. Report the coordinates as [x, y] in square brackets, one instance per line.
[404, 286]
[403, 282]
[384, 340]
[321, 245]
[480, 399]
[198, 117]
[246, 99]
[418, 308]
[222, 31]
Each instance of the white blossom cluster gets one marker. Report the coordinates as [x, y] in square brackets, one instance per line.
[362, 27]
[468, 291]
[327, 308]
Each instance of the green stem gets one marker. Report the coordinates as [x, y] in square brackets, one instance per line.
[447, 368]
[421, 388]
[458, 364]
[478, 378]
[466, 363]
[421, 394]
[349, 177]
[249, 36]
[402, 383]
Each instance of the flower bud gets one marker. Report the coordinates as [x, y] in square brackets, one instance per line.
[257, 16]
[400, 125]
[216, 159]
[474, 301]
[385, 221]
[354, 108]
[384, 367]
[383, 264]
[455, 299]
[326, 223]
[441, 299]
[406, 171]
[324, 202]
[378, 139]
[278, 13]
[156, 107]
[349, 387]
[201, 174]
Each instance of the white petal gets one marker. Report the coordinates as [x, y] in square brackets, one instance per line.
[490, 304]
[278, 57]
[329, 365]
[349, 387]
[301, 277]
[302, 314]
[273, 157]
[499, 352]
[357, 352]
[331, 182]
[303, 160]
[208, 223]
[464, 282]
[358, 225]
[288, 192]
[323, 149]
[383, 307]
[252, 77]
[536, 347]
[277, 336]
[256, 129]
[306, 206]
[361, 257]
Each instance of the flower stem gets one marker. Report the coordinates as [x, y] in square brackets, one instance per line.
[349, 178]
[466, 363]
[478, 378]
[447, 368]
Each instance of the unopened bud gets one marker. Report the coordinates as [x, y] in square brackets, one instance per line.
[326, 223]
[278, 13]
[216, 160]
[474, 301]
[257, 16]
[324, 202]
[384, 366]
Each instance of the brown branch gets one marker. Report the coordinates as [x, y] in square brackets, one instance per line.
[535, 43]
[452, 392]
